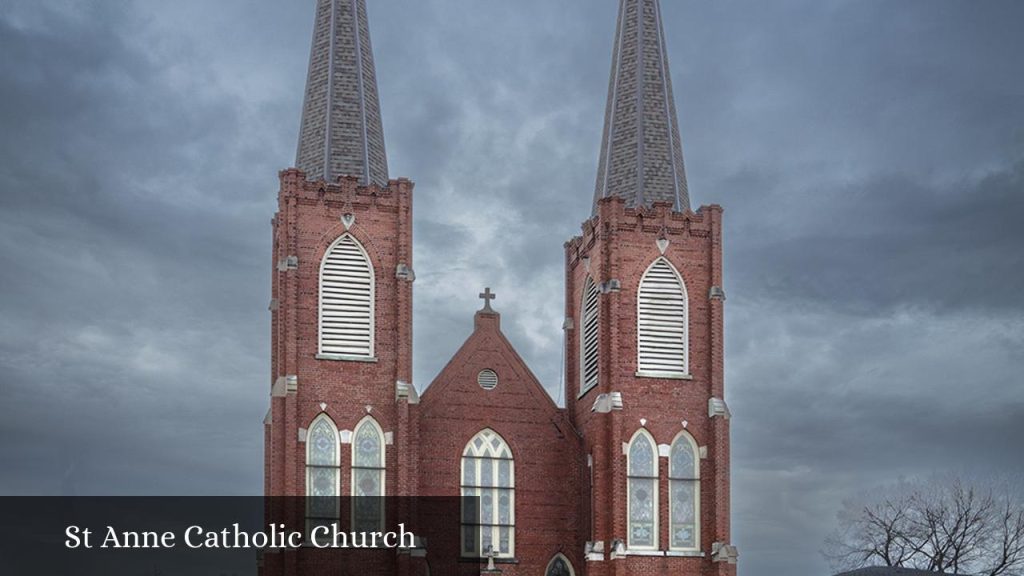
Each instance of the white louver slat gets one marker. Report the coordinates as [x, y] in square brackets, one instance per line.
[346, 300]
[661, 322]
[589, 337]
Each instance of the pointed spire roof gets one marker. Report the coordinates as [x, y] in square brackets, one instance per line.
[641, 155]
[341, 131]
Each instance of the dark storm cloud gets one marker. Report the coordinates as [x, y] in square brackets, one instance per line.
[121, 301]
[868, 154]
[892, 242]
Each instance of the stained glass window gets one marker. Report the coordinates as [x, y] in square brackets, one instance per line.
[559, 566]
[488, 475]
[368, 476]
[322, 473]
[643, 492]
[684, 494]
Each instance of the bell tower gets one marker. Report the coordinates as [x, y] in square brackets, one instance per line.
[341, 352]
[644, 321]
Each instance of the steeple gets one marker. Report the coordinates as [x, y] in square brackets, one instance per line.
[641, 156]
[341, 131]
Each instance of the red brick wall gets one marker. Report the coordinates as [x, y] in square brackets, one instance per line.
[621, 243]
[544, 445]
[308, 220]
[554, 504]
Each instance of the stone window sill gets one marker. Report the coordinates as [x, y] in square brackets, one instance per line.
[669, 553]
[497, 560]
[644, 553]
[664, 375]
[684, 554]
[344, 358]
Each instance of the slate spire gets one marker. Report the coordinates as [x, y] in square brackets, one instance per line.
[641, 156]
[341, 131]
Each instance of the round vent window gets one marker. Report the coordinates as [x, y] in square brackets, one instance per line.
[487, 379]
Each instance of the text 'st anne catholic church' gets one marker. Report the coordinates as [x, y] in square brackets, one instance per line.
[631, 477]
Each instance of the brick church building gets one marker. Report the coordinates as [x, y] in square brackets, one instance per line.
[631, 476]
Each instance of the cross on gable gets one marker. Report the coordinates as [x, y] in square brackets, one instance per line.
[487, 296]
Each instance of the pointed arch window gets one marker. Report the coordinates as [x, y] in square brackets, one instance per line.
[559, 566]
[368, 478]
[684, 494]
[662, 326]
[346, 301]
[323, 478]
[589, 337]
[488, 473]
[642, 484]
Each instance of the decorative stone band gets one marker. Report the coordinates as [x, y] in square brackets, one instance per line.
[289, 263]
[285, 385]
[405, 272]
[605, 403]
[405, 390]
[722, 552]
[618, 549]
[717, 407]
[594, 551]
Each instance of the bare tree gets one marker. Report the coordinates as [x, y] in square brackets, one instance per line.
[945, 524]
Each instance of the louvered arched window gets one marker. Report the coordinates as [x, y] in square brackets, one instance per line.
[642, 472]
[684, 494]
[346, 301]
[323, 478]
[368, 478]
[662, 331]
[589, 336]
[488, 473]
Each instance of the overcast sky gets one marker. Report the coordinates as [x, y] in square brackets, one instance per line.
[869, 156]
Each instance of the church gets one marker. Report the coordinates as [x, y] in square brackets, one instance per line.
[631, 477]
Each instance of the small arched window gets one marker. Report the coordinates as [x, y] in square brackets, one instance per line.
[662, 331]
[684, 494]
[346, 301]
[589, 337]
[642, 472]
[559, 566]
[323, 478]
[368, 479]
[488, 473]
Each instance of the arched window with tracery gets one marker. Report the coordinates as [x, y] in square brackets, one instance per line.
[368, 477]
[323, 477]
[346, 301]
[662, 330]
[589, 336]
[684, 494]
[559, 566]
[642, 472]
[488, 473]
